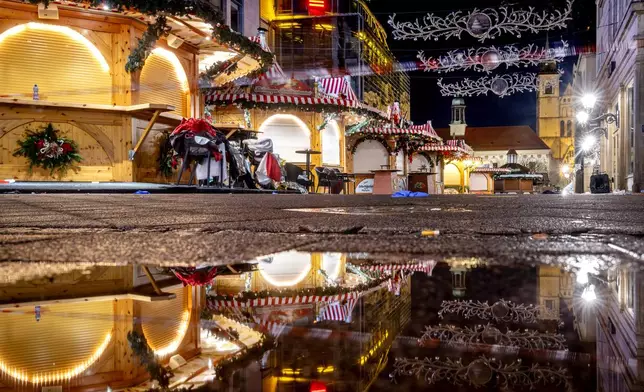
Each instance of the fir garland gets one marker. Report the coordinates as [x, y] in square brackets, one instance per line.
[162, 8]
[317, 291]
[223, 369]
[44, 148]
[156, 30]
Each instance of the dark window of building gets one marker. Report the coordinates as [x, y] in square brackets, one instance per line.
[549, 90]
[550, 304]
[237, 15]
[217, 4]
[611, 325]
[495, 165]
[569, 129]
[630, 300]
[562, 131]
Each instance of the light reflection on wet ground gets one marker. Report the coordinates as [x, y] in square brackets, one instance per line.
[380, 210]
[340, 321]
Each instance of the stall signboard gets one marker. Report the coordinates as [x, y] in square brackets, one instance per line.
[365, 186]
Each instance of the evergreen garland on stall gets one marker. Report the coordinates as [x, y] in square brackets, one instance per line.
[44, 148]
[163, 8]
[223, 369]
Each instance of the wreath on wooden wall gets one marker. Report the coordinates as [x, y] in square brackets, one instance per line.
[44, 148]
[168, 159]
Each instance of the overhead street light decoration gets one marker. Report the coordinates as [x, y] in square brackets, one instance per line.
[481, 24]
[488, 58]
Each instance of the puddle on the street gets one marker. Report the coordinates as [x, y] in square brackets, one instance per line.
[298, 321]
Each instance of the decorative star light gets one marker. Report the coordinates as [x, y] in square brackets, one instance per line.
[487, 59]
[489, 334]
[501, 85]
[501, 310]
[482, 24]
[480, 372]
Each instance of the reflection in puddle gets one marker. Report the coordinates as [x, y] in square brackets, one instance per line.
[332, 321]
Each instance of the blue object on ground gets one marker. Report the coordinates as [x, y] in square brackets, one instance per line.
[409, 194]
[141, 193]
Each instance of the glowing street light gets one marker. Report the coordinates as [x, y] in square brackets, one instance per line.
[565, 169]
[588, 101]
[582, 277]
[582, 117]
[588, 143]
[589, 294]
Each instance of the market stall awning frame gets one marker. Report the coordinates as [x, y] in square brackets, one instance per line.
[425, 130]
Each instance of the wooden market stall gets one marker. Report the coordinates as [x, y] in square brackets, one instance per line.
[80, 67]
[455, 158]
[482, 179]
[379, 156]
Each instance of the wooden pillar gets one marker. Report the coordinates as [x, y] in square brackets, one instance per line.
[461, 169]
[391, 142]
[122, 80]
[343, 146]
[123, 169]
[316, 139]
[124, 360]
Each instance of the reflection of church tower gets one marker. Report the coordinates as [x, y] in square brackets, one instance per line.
[458, 281]
[457, 125]
[553, 285]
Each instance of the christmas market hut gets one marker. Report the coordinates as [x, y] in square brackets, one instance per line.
[520, 179]
[90, 89]
[482, 178]
[305, 120]
[388, 154]
[454, 161]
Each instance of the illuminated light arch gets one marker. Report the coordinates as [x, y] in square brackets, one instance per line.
[73, 34]
[331, 150]
[452, 175]
[332, 264]
[176, 64]
[285, 141]
[295, 265]
[178, 338]
[58, 375]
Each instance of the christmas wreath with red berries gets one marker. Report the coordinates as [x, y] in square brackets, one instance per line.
[44, 148]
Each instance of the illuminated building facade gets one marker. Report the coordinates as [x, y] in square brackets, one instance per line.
[320, 38]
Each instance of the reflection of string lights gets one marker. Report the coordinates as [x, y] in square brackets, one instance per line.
[59, 375]
[174, 344]
[374, 349]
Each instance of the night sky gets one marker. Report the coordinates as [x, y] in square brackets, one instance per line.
[427, 102]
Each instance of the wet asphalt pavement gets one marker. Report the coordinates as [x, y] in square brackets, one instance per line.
[193, 228]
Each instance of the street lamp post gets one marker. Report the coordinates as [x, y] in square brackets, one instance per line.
[582, 146]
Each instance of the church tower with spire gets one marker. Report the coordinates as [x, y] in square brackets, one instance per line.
[458, 125]
[555, 125]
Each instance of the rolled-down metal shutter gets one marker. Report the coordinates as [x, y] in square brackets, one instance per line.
[160, 83]
[66, 66]
[165, 323]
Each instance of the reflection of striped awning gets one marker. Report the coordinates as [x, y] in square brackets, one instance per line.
[273, 301]
[337, 311]
[426, 267]
[425, 130]
[338, 87]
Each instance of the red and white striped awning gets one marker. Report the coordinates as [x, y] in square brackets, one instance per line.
[218, 99]
[337, 87]
[336, 311]
[456, 145]
[425, 130]
[426, 267]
